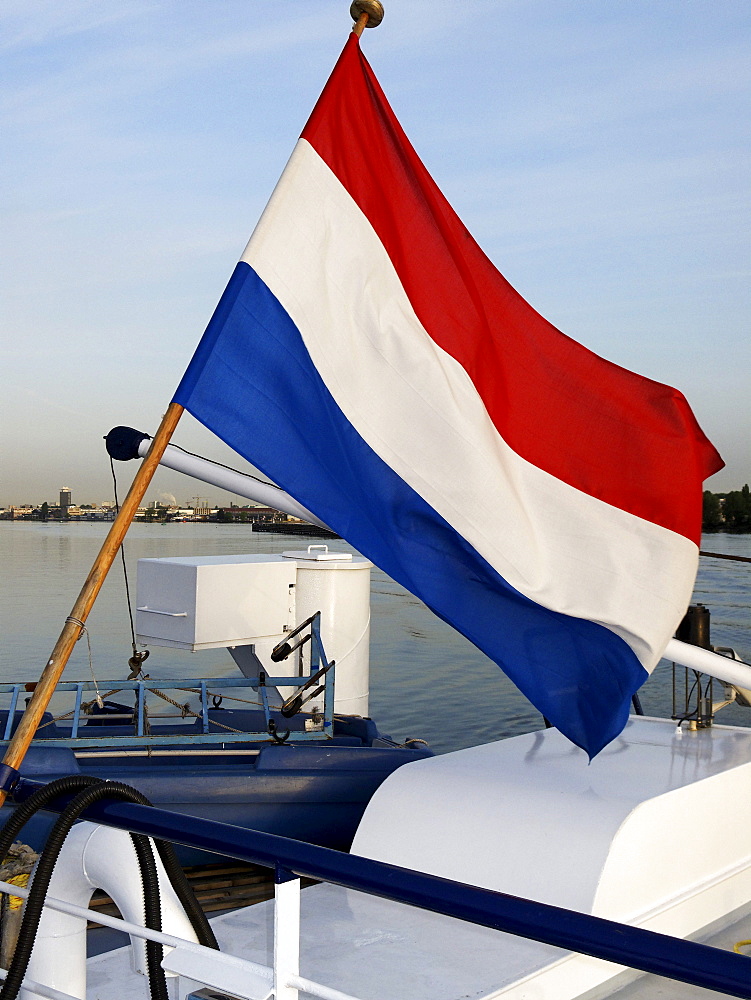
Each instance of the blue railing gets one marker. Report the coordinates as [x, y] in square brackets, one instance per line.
[202, 726]
[647, 951]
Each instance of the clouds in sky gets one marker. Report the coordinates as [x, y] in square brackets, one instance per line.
[599, 153]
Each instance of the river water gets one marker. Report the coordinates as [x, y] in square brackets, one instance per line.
[426, 681]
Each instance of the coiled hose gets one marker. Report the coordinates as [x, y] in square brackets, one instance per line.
[91, 790]
[72, 783]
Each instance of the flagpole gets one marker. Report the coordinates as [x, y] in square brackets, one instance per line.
[75, 622]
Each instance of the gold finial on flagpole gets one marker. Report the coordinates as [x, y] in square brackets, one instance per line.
[366, 14]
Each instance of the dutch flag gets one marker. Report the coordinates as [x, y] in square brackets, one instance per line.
[369, 358]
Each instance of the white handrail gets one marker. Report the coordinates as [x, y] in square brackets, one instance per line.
[286, 937]
[241, 970]
[233, 482]
[722, 667]
[316, 990]
[118, 924]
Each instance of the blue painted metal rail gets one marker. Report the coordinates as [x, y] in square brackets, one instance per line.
[647, 951]
[205, 729]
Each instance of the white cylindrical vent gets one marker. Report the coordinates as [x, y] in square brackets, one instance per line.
[338, 585]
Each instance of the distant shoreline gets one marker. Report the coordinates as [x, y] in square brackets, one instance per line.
[260, 527]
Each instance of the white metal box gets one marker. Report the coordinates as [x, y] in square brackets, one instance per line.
[205, 602]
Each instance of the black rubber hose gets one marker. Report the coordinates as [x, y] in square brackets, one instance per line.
[184, 892]
[94, 790]
[152, 913]
[21, 815]
[69, 784]
[40, 884]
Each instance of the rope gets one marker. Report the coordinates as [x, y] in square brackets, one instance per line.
[138, 656]
[86, 707]
[231, 697]
[188, 711]
[224, 697]
[85, 631]
[263, 482]
[185, 709]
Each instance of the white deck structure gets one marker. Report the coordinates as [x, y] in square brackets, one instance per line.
[654, 832]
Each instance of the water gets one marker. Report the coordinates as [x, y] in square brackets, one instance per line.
[426, 681]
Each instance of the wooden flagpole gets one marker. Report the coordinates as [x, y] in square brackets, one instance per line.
[74, 624]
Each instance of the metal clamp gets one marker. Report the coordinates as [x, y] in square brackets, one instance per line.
[9, 778]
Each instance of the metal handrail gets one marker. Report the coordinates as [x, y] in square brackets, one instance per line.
[114, 923]
[320, 668]
[646, 951]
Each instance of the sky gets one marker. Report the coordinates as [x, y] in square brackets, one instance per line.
[597, 151]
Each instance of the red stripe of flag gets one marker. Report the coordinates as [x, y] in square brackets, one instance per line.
[615, 435]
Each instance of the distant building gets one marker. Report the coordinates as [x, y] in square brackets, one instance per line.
[19, 512]
[92, 512]
[254, 515]
[65, 497]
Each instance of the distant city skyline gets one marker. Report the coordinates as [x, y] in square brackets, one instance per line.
[169, 500]
[598, 152]
[163, 499]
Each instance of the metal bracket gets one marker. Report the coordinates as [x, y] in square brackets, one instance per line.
[9, 778]
[275, 734]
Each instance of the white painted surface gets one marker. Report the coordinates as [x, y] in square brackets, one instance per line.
[225, 973]
[286, 938]
[380, 951]
[654, 828]
[530, 816]
[206, 602]
[653, 832]
[357, 944]
[340, 590]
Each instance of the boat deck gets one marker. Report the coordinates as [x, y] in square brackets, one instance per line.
[628, 862]
[375, 950]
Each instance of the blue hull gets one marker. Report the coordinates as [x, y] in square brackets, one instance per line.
[315, 791]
